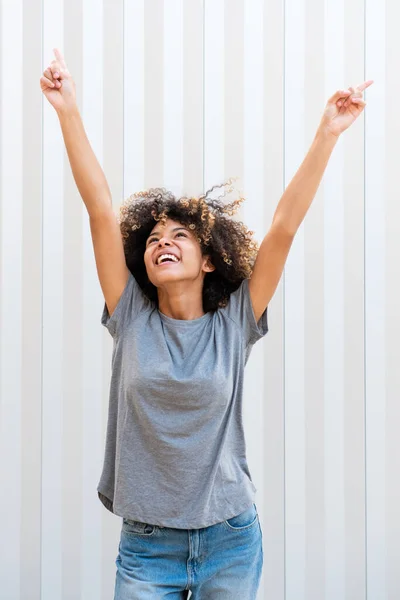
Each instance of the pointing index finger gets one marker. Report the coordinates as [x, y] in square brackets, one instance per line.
[60, 58]
[365, 85]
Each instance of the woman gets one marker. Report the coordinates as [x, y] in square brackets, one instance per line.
[186, 292]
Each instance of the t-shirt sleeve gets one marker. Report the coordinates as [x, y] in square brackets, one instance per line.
[240, 310]
[131, 302]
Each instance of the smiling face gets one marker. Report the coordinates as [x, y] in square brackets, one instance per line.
[173, 254]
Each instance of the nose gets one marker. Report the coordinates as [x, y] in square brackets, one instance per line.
[163, 242]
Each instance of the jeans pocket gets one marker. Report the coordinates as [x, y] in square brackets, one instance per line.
[137, 528]
[245, 520]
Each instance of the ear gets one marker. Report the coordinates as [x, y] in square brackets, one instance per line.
[208, 267]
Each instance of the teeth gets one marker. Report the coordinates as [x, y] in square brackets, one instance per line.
[171, 256]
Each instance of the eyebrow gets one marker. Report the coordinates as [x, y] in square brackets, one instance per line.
[174, 229]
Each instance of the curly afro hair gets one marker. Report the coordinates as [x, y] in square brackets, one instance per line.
[228, 242]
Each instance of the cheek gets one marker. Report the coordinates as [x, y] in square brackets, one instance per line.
[197, 257]
[147, 261]
[192, 257]
[146, 257]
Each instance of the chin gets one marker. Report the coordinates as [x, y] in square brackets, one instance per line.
[166, 277]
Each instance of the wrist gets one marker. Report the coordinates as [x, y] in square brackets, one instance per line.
[66, 112]
[325, 135]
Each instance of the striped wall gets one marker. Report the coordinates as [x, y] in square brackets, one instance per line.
[187, 94]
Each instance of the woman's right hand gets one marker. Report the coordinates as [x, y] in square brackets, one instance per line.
[57, 84]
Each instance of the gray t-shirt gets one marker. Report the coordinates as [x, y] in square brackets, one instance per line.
[175, 452]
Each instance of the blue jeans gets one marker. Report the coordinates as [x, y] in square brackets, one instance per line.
[220, 562]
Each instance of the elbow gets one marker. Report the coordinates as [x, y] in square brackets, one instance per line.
[285, 227]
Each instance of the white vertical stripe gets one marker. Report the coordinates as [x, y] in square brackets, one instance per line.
[294, 312]
[133, 96]
[375, 302]
[253, 409]
[53, 174]
[334, 320]
[214, 92]
[92, 443]
[11, 289]
[173, 95]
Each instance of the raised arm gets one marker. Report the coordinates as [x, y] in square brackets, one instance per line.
[341, 111]
[59, 88]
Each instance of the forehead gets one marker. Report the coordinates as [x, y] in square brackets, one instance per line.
[169, 225]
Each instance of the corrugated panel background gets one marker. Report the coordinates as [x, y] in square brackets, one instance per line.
[186, 95]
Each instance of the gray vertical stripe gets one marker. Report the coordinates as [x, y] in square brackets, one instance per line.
[294, 332]
[375, 304]
[334, 323]
[113, 162]
[11, 196]
[251, 154]
[31, 426]
[273, 510]
[73, 357]
[173, 97]
[392, 324]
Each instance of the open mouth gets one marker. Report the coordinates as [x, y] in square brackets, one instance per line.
[166, 259]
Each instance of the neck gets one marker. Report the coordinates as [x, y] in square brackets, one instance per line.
[180, 302]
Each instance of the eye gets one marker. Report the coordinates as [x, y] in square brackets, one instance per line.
[181, 233]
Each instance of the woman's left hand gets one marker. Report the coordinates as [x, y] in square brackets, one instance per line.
[343, 109]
